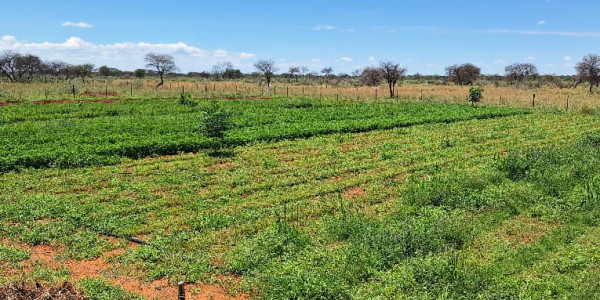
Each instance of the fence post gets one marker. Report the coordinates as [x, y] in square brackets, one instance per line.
[567, 102]
[74, 92]
[533, 101]
[375, 94]
[131, 91]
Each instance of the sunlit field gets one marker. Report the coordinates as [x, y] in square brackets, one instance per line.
[309, 197]
[112, 88]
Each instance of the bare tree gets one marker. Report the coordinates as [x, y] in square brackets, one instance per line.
[221, 68]
[392, 73]
[161, 63]
[267, 68]
[588, 70]
[371, 76]
[464, 74]
[520, 72]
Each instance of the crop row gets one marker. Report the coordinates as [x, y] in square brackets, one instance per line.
[95, 134]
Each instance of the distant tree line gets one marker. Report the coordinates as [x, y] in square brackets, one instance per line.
[17, 67]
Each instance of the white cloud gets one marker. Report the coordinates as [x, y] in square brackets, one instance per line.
[315, 60]
[530, 58]
[567, 58]
[126, 56]
[245, 55]
[220, 53]
[542, 22]
[346, 59]
[372, 59]
[544, 32]
[324, 27]
[77, 25]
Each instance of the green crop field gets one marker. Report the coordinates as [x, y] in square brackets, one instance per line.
[310, 199]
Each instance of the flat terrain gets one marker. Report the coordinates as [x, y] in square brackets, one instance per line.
[313, 199]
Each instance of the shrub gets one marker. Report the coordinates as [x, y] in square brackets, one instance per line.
[475, 94]
[215, 122]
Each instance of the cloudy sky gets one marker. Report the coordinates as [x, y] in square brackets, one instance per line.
[425, 36]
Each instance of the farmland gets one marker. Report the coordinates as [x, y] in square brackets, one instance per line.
[313, 198]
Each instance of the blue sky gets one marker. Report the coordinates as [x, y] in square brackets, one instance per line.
[424, 36]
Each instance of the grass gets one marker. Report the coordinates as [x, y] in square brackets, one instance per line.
[502, 207]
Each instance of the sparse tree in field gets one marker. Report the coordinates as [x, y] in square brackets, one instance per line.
[82, 71]
[588, 70]
[215, 121]
[327, 73]
[304, 71]
[392, 73]
[140, 73]
[294, 71]
[161, 63]
[267, 68]
[371, 76]
[18, 68]
[221, 68]
[104, 71]
[57, 68]
[465, 74]
[475, 95]
[232, 74]
[520, 72]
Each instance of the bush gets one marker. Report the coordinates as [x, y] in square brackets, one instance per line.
[475, 94]
[215, 122]
[187, 100]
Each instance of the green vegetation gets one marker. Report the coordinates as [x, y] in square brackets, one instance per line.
[318, 199]
[77, 135]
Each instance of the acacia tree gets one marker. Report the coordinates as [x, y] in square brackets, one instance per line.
[294, 71]
[392, 73]
[82, 71]
[327, 73]
[267, 68]
[18, 67]
[588, 70]
[464, 74]
[161, 63]
[57, 68]
[520, 72]
[370, 76]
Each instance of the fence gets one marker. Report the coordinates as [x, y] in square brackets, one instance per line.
[122, 89]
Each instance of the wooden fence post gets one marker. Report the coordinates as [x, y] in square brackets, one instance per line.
[533, 101]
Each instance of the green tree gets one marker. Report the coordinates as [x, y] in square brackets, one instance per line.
[215, 121]
[475, 94]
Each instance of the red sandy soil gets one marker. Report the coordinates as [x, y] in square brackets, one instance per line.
[100, 268]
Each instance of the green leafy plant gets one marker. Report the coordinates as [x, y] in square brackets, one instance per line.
[475, 94]
[215, 122]
[187, 100]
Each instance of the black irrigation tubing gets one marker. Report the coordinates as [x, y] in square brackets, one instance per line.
[129, 238]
